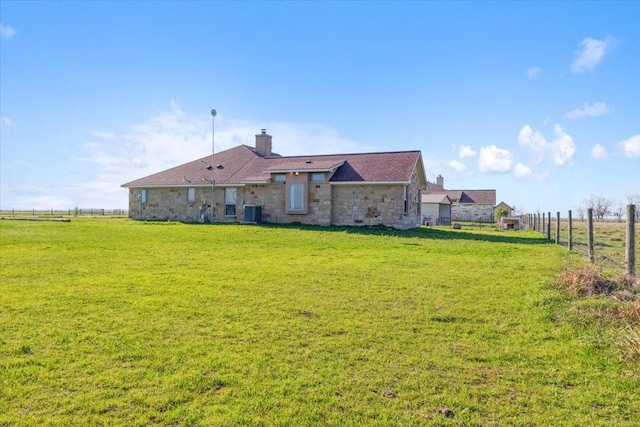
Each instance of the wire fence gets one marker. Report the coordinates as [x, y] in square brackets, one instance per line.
[468, 220]
[610, 244]
[51, 213]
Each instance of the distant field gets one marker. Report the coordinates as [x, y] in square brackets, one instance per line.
[117, 322]
[609, 239]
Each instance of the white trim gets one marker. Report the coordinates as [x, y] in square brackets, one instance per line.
[253, 181]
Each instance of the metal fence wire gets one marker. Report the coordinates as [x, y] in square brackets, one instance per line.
[15, 213]
[609, 244]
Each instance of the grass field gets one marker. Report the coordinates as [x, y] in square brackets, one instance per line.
[117, 322]
[609, 240]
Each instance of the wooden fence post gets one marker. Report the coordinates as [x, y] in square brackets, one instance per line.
[590, 235]
[630, 252]
[548, 225]
[539, 222]
[557, 228]
[570, 238]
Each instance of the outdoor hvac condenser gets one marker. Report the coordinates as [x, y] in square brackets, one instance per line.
[253, 213]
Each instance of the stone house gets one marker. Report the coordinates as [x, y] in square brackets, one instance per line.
[466, 205]
[253, 184]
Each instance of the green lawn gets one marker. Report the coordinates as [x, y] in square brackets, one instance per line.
[117, 322]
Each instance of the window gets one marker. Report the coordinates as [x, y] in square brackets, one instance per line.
[230, 195]
[297, 194]
[191, 195]
[317, 177]
[143, 196]
[406, 200]
[280, 177]
[296, 197]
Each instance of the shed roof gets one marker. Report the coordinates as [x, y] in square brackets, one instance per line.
[441, 199]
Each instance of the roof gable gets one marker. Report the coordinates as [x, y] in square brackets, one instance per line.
[481, 197]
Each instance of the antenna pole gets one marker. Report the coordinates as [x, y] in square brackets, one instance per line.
[213, 148]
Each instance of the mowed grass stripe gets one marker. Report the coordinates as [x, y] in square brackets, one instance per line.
[117, 322]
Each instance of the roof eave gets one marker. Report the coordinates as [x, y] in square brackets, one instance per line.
[369, 182]
[297, 170]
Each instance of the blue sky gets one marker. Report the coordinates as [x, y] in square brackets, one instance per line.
[538, 100]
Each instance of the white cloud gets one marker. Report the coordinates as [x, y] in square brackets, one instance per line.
[102, 135]
[6, 32]
[631, 147]
[523, 172]
[590, 52]
[6, 122]
[494, 160]
[459, 167]
[598, 152]
[175, 137]
[467, 151]
[593, 110]
[534, 142]
[534, 72]
[561, 149]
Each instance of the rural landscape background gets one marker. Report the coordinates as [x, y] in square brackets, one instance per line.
[109, 321]
[537, 100]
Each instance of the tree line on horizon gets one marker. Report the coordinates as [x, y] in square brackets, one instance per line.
[604, 207]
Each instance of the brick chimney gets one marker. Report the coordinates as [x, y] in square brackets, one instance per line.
[263, 143]
[440, 181]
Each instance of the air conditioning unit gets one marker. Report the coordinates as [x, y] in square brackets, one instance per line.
[253, 213]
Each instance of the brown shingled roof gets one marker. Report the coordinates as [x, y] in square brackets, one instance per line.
[482, 197]
[243, 164]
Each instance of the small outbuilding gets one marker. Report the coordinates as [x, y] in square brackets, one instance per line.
[436, 209]
[506, 207]
[510, 223]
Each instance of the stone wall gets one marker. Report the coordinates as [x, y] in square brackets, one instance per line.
[471, 212]
[170, 203]
[367, 204]
[272, 198]
[326, 204]
[376, 205]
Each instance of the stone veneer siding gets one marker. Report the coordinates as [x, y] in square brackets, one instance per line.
[169, 203]
[346, 204]
[272, 197]
[471, 212]
[377, 204]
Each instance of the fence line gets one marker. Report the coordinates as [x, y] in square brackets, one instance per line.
[62, 212]
[430, 220]
[599, 245]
